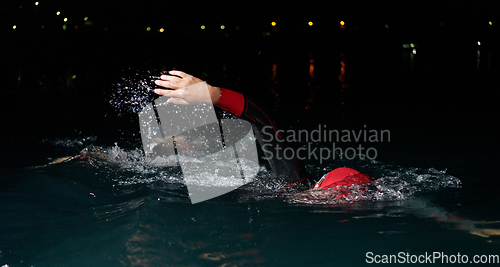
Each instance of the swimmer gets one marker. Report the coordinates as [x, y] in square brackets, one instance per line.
[289, 172]
[179, 87]
[335, 184]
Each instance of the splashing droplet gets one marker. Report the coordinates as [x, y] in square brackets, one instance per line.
[132, 93]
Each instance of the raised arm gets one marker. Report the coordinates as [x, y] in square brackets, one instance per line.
[183, 90]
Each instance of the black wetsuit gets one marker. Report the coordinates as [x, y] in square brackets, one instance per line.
[290, 171]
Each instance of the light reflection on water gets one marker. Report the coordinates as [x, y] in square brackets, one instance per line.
[334, 88]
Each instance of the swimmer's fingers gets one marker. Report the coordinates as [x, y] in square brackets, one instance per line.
[172, 81]
[177, 79]
[164, 92]
[179, 73]
[168, 83]
[186, 88]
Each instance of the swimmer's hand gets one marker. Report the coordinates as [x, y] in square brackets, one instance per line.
[186, 89]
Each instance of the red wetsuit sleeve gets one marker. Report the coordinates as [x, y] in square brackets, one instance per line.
[232, 101]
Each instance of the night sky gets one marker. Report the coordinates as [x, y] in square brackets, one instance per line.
[72, 52]
[131, 16]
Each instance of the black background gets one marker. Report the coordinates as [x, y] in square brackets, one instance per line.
[441, 111]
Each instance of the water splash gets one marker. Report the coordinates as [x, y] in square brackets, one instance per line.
[132, 167]
[127, 168]
[133, 92]
[392, 182]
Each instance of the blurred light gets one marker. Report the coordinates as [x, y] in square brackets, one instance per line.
[414, 51]
[86, 18]
[74, 76]
[273, 23]
[65, 19]
[161, 30]
[387, 26]
[202, 27]
[412, 45]
[64, 27]
[478, 43]
[342, 23]
[14, 27]
[310, 23]
[76, 27]
[222, 27]
[36, 3]
[489, 22]
[58, 13]
[148, 29]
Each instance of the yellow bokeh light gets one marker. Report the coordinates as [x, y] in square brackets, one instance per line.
[273, 23]
[65, 19]
[222, 27]
[36, 3]
[86, 18]
[489, 22]
[64, 27]
[310, 23]
[148, 29]
[202, 27]
[161, 30]
[342, 23]
[58, 13]
[14, 27]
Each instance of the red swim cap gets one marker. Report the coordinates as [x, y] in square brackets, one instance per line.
[342, 176]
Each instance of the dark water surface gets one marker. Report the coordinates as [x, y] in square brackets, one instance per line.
[437, 101]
